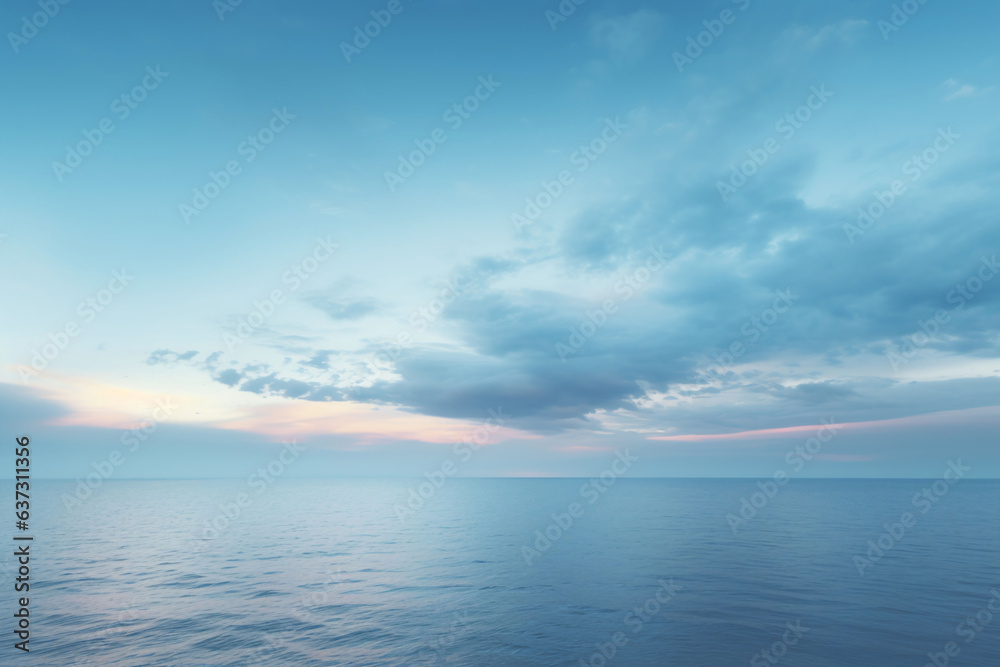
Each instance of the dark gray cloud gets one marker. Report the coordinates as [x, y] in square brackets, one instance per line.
[272, 385]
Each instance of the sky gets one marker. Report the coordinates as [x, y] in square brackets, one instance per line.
[706, 233]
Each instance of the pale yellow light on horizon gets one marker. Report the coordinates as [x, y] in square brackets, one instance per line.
[96, 404]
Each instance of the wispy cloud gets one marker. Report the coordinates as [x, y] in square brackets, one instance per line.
[958, 90]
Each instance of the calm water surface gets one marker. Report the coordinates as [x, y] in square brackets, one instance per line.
[326, 573]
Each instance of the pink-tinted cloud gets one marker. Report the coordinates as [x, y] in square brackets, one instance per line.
[882, 424]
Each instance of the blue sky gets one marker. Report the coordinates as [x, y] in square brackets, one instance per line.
[604, 323]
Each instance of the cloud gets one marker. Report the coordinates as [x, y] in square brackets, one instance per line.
[273, 386]
[846, 32]
[764, 402]
[727, 261]
[820, 393]
[497, 341]
[229, 377]
[320, 360]
[169, 357]
[342, 309]
[958, 90]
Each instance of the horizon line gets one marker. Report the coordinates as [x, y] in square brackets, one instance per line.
[538, 477]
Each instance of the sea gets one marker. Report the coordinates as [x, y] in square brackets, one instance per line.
[519, 572]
